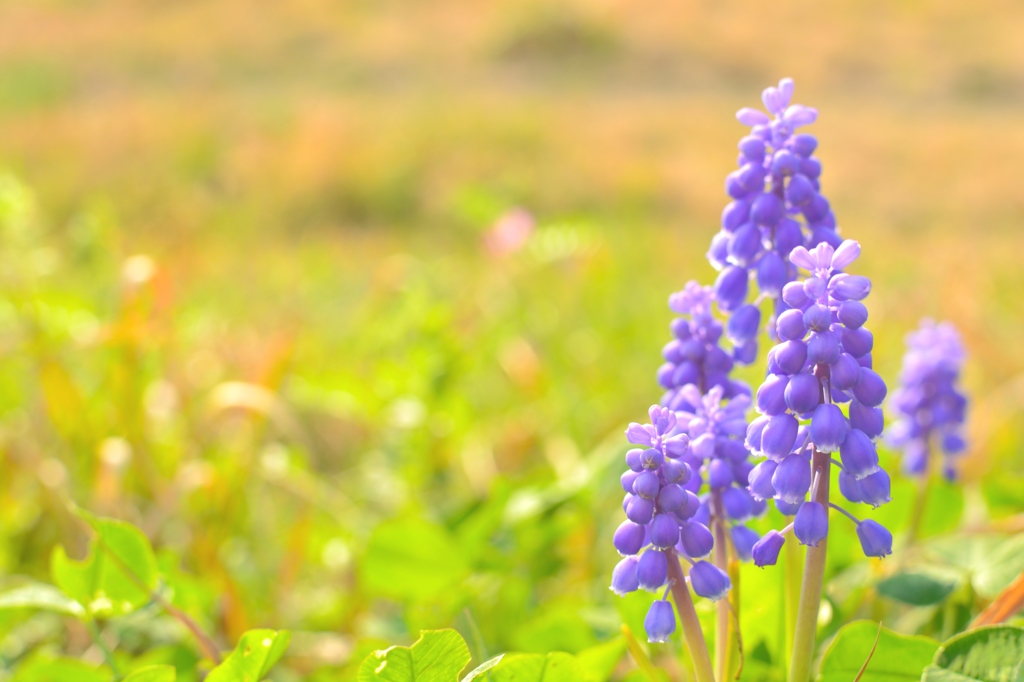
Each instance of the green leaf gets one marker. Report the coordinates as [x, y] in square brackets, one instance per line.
[117, 576]
[42, 597]
[437, 656]
[411, 559]
[553, 667]
[598, 662]
[482, 668]
[916, 589]
[256, 653]
[989, 654]
[1003, 565]
[153, 673]
[41, 669]
[898, 658]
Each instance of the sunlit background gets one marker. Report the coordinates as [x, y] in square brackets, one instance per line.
[347, 304]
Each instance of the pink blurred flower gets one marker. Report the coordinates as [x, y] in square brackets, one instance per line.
[510, 232]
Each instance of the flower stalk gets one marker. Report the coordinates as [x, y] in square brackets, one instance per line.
[692, 633]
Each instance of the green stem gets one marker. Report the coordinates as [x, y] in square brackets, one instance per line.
[922, 487]
[108, 655]
[723, 622]
[814, 578]
[692, 632]
[793, 568]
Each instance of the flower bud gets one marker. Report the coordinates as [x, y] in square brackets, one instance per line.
[870, 420]
[811, 523]
[696, 539]
[760, 480]
[792, 479]
[858, 454]
[639, 510]
[624, 578]
[766, 551]
[828, 428]
[709, 581]
[629, 538]
[869, 389]
[664, 531]
[779, 436]
[875, 540]
[652, 570]
[660, 622]
[803, 392]
[875, 488]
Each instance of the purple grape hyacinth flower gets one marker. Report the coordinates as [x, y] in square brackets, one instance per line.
[776, 204]
[930, 406]
[661, 507]
[822, 362]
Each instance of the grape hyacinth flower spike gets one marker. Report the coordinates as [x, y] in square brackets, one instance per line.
[930, 409]
[822, 361]
[776, 204]
[710, 408]
[658, 505]
[929, 405]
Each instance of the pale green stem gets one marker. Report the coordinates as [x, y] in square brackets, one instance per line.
[692, 633]
[792, 576]
[921, 488]
[723, 621]
[97, 638]
[814, 578]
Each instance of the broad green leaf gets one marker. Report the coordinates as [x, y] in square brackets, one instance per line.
[42, 597]
[59, 670]
[437, 656]
[117, 576]
[411, 559]
[898, 658]
[916, 589]
[989, 654]
[598, 662]
[482, 668]
[255, 655]
[553, 667]
[1004, 564]
[153, 673]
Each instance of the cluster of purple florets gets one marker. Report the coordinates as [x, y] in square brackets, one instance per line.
[823, 360]
[695, 355]
[660, 518]
[930, 406]
[776, 203]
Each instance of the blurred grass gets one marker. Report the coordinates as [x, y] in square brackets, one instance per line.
[318, 343]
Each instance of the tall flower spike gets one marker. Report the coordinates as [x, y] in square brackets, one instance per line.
[776, 204]
[929, 404]
[822, 362]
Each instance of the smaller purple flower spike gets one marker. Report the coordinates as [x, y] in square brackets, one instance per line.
[660, 622]
[929, 403]
[709, 581]
[624, 578]
[766, 551]
[875, 540]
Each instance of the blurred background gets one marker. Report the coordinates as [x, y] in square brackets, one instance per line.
[347, 304]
